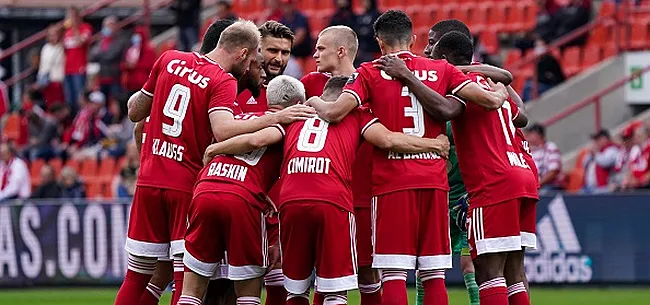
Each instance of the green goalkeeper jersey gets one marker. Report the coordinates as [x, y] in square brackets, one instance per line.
[456, 185]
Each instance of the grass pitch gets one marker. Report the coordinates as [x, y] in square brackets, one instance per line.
[457, 296]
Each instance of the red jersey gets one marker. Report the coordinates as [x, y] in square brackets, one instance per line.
[318, 159]
[522, 145]
[248, 103]
[75, 51]
[249, 176]
[362, 176]
[186, 88]
[314, 83]
[400, 111]
[491, 164]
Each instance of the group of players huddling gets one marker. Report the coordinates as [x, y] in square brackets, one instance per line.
[368, 171]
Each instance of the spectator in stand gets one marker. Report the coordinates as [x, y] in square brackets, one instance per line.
[368, 46]
[71, 187]
[119, 132]
[547, 157]
[81, 140]
[344, 14]
[48, 188]
[33, 61]
[138, 61]
[224, 10]
[76, 39]
[549, 73]
[4, 95]
[46, 143]
[129, 172]
[188, 16]
[637, 174]
[15, 181]
[273, 12]
[600, 164]
[303, 45]
[109, 52]
[571, 17]
[51, 70]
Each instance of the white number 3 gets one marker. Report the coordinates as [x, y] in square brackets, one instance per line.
[415, 112]
[175, 109]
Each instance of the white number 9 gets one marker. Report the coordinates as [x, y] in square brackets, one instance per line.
[179, 94]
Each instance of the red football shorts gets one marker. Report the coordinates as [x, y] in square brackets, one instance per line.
[364, 236]
[220, 222]
[158, 222]
[411, 230]
[502, 227]
[318, 235]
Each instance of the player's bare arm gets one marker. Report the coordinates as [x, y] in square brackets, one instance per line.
[380, 136]
[224, 125]
[439, 107]
[243, 143]
[137, 134]
[521, 120]
[490, 100]
[139, 106]
[336, 111]
[497, 74]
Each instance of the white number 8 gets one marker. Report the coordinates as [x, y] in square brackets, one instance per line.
[179, 94]
[318, 130]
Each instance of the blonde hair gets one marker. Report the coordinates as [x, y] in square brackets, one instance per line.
[343, 36]
[285, 91]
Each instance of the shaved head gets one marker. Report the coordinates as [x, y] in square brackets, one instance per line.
[343, 36]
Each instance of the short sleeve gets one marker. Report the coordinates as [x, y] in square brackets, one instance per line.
[223, 95]
[150, 86]
[457, 79]
[366, 119]
[514, 107]
[358, 85]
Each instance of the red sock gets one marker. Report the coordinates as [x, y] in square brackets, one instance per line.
[179, 272]
[517, 295]
[298, 299]
[370, 294]
[137, 277]
[435, 292]
[319, 298]
[151, 295]
[394, 283]
[493, 292]
[275, 292]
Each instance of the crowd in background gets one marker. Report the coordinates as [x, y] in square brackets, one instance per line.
[74, 106]
[609, 164]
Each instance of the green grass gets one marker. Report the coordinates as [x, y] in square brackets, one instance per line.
[540, 296]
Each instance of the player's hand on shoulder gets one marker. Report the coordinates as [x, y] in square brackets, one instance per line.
[209, 154]
[295, 113]
[499, 89]
[394, 66]
[445, 146]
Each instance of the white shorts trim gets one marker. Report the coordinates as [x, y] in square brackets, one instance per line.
[394, 261]
[177, 247]
[529, 240]
[297, 286]
[344, 283]
[221, 273]
[199, 267]
[242, 273]
[434, 262]
[146, 249]
[498, 245]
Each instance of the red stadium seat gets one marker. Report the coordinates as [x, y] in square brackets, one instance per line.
[599, 35]
[607, 8]
[94, 190]
[56, 164]
[477, 15]
[459, 13]
[591, 56]
[514, 17]
[88, 169]
[571, 61]
[106, 170]
[512, 56]
[490, 41]
[609, 51]
[639, 37]
[35, 171]
[530, 14]
[496, 16]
